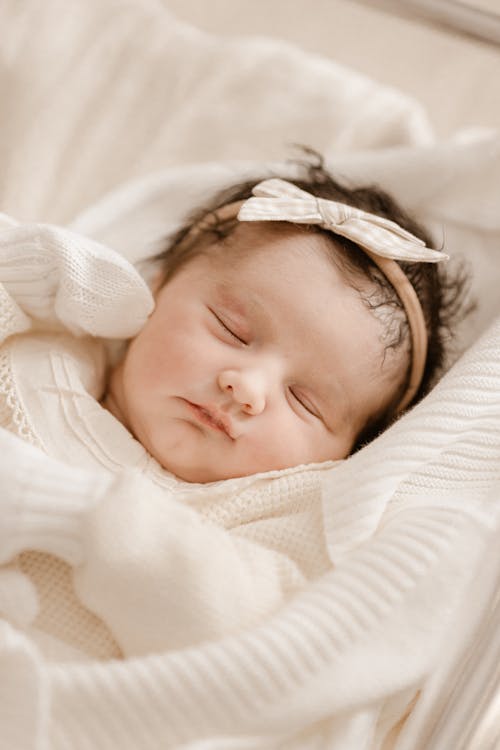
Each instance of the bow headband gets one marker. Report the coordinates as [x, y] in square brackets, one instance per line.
[382, 240]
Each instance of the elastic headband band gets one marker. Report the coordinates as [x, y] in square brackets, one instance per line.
[382, 240]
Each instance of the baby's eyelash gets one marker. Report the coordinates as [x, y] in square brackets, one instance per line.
[227, 329]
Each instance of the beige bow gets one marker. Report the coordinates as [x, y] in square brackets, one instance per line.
[279, 200]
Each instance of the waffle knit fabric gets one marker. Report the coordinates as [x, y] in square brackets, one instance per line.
[302, 608]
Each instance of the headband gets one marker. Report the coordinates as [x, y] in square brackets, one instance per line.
[382, 240]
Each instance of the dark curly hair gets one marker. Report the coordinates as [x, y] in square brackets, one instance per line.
[442, 293]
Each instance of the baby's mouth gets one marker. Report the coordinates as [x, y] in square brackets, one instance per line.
[218, 422]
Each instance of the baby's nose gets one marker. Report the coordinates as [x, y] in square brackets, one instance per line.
[246, 388]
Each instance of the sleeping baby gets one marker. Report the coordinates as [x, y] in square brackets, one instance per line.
[178, 473]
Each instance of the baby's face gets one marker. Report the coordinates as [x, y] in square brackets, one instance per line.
[254, 361]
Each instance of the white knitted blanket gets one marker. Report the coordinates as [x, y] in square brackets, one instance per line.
[116, 119]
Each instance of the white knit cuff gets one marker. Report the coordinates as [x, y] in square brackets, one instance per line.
[43, 502]
[51, 512]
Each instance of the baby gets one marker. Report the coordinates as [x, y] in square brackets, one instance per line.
[293, 321]
[274, 344]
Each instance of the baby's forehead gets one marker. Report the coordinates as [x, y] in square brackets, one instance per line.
[271, 232]
[287, 273]
[257, 242]
[269, 249]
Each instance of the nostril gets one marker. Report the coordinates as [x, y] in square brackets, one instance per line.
[252, 408]
[225, 381]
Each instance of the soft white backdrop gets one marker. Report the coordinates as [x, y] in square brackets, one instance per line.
[455, 77]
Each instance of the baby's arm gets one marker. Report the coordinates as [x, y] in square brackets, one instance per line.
[153, 569]
[53, 278]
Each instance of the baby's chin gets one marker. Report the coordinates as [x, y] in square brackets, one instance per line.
[200, 475]
[205, 474]
[209, 474]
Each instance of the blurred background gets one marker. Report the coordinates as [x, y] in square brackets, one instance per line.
[446, 53]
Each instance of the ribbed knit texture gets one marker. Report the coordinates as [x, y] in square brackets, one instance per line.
[446, 453]
[49, 518]
[465, 717]
[46, 514]
[24, 694]
[317, 658]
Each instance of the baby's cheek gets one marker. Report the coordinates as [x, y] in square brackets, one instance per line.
[186, 346]
[304, 443]
[153, 359]
[284, 443]
[150, 371]
[189, 353]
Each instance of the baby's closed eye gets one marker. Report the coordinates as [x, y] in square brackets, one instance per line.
[305, 402]
[231, 328]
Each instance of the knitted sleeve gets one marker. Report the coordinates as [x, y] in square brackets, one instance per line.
[52, 278]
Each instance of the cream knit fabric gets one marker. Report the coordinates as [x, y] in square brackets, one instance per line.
[191, 579]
